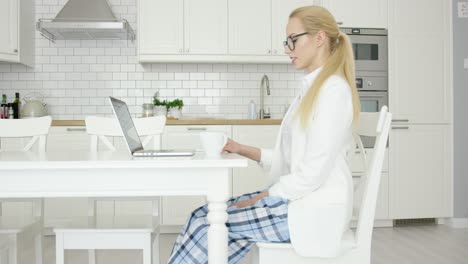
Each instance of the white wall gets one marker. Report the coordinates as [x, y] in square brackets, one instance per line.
[76, 77]
[460, 92]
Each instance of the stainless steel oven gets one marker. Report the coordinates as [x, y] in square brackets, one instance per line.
[370, 47]
[373, 94]
[373, 91]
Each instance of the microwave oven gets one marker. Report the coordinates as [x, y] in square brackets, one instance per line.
[370, 48]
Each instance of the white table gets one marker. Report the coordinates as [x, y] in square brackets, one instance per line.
[111, 174]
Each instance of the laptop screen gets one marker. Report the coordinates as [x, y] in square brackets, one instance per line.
[126, 123]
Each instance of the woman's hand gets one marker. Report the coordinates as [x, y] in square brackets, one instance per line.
[232, 146]
[251, 201]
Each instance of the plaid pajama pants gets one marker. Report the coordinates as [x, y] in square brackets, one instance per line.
[264, 221]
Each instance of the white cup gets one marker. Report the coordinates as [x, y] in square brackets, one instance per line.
[213, 143]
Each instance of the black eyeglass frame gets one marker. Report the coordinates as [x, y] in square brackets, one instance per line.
[293, 39]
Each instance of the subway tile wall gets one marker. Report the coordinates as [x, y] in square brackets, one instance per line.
[75, 77]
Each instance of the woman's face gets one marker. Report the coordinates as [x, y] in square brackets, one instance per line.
[304, 55]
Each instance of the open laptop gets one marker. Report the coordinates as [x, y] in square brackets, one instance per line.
[131, 136]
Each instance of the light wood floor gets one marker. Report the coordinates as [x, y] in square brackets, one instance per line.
[403, 245]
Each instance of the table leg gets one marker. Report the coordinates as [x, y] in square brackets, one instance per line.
[217, 232]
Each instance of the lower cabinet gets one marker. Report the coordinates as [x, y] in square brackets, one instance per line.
[176, 210]
[252, 178]
[420, 171]
[381, 210]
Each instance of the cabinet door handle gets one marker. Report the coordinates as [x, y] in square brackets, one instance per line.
[400, 120]
[196, 128]
[15, 51]
[76, 129]
[403, 127]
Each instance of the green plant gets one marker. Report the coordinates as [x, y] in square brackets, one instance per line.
[176, 103]
[157, 102]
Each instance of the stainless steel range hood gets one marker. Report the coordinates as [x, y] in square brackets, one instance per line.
[85, 19]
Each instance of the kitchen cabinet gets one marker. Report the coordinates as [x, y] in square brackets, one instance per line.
[253, 178]
[381, 209]
[281, 10]
[250, 28]
[420, 171]
[176, 210]
[214, 30]
[420, 91]
[182, 28]
[260, 29]
[17, 31]
[419, 61]
[358, 13]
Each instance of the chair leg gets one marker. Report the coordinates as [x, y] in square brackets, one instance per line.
[91, 256]
[38, 247]
[59, 249]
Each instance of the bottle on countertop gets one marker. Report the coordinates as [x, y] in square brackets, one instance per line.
[16, 106]
[10, 111]
[4, 108]
[252, 110]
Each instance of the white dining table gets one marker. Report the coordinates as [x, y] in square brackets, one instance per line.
[112, 174]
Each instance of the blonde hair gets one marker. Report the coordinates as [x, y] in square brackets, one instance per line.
[340, 61]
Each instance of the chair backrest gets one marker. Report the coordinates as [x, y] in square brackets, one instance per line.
[36, 128]
[100, 128]
[149, 129]
[373, 172]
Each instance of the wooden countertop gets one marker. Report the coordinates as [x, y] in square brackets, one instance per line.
[189, 122]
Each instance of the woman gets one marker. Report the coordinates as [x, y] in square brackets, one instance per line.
[310, 200]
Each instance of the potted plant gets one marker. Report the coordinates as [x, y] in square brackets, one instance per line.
[160, 106]
[174, 108]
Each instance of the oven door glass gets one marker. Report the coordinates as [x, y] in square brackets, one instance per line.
[369, 105]
[372, 101]
[370, 52]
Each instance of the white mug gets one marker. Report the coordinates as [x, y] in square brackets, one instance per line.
[213, 143]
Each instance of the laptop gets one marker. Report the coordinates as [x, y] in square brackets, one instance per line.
[131, 136]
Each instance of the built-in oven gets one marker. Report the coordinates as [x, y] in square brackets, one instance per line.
[370, 47]
[373, 91]
[373, 94]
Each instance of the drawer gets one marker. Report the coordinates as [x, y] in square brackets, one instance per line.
[188, 137]
[68, 138]
[357, 163]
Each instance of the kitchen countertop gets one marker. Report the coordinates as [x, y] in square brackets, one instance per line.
[188, 122]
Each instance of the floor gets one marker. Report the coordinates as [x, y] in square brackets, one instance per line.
[433, 244]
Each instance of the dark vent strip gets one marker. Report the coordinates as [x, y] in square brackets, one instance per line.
[414, 222]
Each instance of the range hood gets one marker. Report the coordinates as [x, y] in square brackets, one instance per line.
[87, 20]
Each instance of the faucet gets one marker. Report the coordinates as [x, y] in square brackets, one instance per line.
[265, 81]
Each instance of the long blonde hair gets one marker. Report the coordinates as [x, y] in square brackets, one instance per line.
[340, 61]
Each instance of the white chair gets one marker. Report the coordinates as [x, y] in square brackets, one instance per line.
[21, 236]
[356, 244]
[116, 231]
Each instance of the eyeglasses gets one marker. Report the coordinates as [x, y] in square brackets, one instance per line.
[291, 40]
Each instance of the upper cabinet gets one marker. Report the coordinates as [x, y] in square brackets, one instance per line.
[181, 27]
[214, 30]
[419, 61]
[17, 30]
[358, 13]
[250, 28]
[280, 11]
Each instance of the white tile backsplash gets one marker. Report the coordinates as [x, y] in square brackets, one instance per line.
[76, 76]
